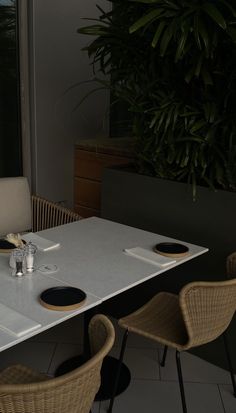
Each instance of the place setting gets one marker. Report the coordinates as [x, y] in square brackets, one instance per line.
[23, 249]
[63, 298]
[162, 254]
[22, 252]
[11, 242]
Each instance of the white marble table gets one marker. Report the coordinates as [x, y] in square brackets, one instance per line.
[90, 257]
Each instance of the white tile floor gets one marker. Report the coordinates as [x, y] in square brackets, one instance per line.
[152, 389]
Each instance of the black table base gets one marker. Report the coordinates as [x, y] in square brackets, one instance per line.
[108, 374]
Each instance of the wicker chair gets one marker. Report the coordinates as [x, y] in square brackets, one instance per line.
[200, 314]
[46, 214]
[24, 391]
[231, 265]
[21, 212]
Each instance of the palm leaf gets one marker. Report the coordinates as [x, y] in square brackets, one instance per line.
[226, 3]
[232, 32]
[204, 35]
[144, 20]
[166, 38]
[215, 15]
[158, 33]
[196, 30]
[145, 1]
[181, 45]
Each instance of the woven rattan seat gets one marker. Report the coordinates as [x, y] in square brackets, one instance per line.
[231, 265]
[23, 390]
[160, 320]
[200, 314]
[19, 374]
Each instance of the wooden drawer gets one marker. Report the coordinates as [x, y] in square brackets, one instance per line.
[86, 212]
[90, 164]
[87, 193]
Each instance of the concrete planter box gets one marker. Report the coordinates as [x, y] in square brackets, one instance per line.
[167, 208]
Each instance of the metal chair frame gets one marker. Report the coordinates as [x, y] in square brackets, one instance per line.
[191, 297]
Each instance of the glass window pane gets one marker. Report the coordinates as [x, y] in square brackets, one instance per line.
[10, 139]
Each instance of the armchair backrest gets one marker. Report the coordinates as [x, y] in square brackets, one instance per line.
[15, 205]
[231, 265]
[208, 308]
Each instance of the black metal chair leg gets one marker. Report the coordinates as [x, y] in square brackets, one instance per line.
[163, 360]
[122, 352]
[229, 363]
[181, 384]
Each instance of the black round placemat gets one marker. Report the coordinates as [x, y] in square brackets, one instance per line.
[6, 246]
[62, 298]
[171, 249]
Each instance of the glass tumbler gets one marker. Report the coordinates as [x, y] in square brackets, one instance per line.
[18, 257]
[30, 251]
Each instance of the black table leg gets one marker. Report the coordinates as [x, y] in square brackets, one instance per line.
[109, 366]
[108, 375]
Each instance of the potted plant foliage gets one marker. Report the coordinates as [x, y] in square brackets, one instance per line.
[173, 63]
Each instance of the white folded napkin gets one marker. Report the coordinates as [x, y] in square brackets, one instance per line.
[16, 323]
[150, 256]
[42, 243]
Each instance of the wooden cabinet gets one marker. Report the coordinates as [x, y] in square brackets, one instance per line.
[91, 157]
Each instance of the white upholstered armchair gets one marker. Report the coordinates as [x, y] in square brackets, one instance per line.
[20, 212]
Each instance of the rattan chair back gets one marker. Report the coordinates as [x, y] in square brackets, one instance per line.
[207, 308]
[46, 214]
[73, 392]
[231, 265]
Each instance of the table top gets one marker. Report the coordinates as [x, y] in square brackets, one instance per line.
[90, 257]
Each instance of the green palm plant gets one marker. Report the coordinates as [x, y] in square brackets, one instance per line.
[7, 39]
[174, 64]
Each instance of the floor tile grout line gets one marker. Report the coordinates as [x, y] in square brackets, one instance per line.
[53, 354]
[55, 342]
[99, 408]
[153, 349]
[176, 381]
[199, 382]
[221, 398]
[159, 366]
